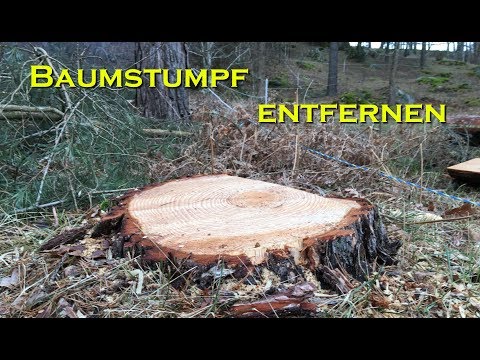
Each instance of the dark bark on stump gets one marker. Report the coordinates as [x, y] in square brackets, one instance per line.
[162, 102]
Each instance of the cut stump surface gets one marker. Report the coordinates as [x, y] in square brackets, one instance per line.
[468, 171]
[246, 223]
[229, 216]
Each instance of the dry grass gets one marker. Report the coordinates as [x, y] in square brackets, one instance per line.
[437, 275]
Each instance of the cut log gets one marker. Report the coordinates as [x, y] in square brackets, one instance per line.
[468, 171]
[208, 227]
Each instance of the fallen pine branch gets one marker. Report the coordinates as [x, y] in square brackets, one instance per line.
[436, 221]
[160, 132]
[111, 191]
[40, 206]
[17, 112]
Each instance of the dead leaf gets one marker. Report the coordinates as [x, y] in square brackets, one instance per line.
[37, 297]
[409, 285]
[105, 244]
[420, 216]
[460, 257]
[457, 239]
[70, 313]
[475, 302]
[474, 234]
[65, 309]
[10, 281]
[72, 271]
[98, 254]
[303, 289]
[44, 313]
[351, 192]
[397, 233]
[20, 300]
[464, 210]
[62, 303]
[94, 211]
[378, 300]
[75, 250]
[422, 275]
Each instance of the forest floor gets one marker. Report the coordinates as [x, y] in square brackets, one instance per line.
[438, 269]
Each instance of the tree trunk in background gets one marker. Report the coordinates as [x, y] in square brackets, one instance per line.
[386, 57]
[207, 54]
[161, 102]
[423, 55]
[406, 51]
[392, 86]
[460, 51]
[359, 47]
[476, 53]
[261, 68]
[332, 69]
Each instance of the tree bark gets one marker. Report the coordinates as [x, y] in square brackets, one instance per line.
[160, 102]
[67, 237]
[406, 51]
[392, 84]
[261, 68]
[332, 69]
[460, 46]
[423, 55]
[207, 54]
[386, 57]
[476, 53]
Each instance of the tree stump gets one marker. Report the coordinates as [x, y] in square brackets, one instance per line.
[208, 227]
